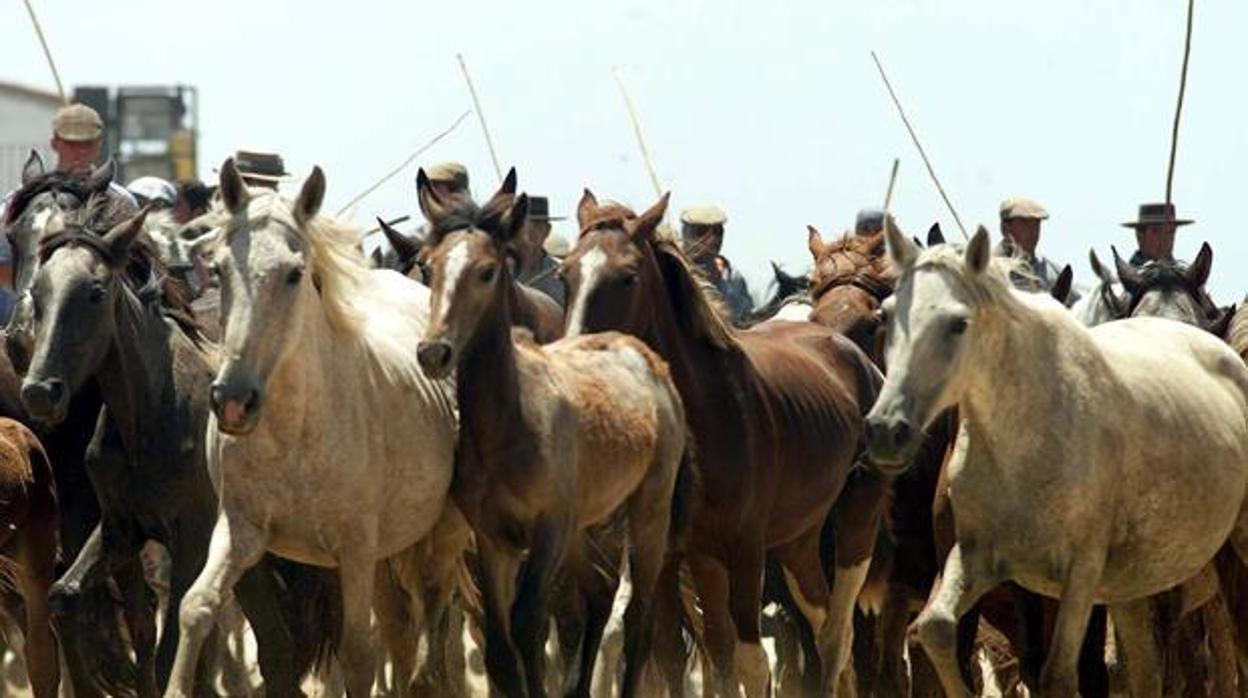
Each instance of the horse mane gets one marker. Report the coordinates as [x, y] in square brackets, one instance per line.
[609, 214]
[869, 266]
[697, 303]
[992, 286]
[338, 267]
[75, 184]
[145, 273]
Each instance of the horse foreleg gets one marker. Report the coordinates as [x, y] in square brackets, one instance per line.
[1060, 675]
[498, 568]
[745, 597]
[530, 612]
[649, 519]
[965, 579]
[257, 592]
[710, 577]
[236, 546]
[808, 588]
[356, 569]
[37, 558]
[1138, 649]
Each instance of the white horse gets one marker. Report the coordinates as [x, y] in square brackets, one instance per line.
[327, 443]
[1102, 466]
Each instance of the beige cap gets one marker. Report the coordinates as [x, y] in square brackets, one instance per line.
[77, 122]
[703, 215]
[1020, 207]
[448, 173]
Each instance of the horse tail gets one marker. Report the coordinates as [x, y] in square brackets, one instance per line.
[313, 612]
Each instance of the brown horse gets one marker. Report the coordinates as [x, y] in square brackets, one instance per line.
[28, 549]
[553, 439]
[776, 412]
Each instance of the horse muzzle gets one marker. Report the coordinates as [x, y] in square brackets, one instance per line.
[436, 358]
[47, 401]
[892, 442]
[237, 407]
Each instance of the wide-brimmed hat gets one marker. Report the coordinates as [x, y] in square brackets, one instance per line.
[1156, 214]
[77, 122]
[539, 209]
[261, 166]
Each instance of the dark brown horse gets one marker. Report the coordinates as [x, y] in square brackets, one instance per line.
[553, 439]
[776, 412]
[28, 549]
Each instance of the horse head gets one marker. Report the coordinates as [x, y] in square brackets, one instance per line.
[1170, 289]
[469, 269]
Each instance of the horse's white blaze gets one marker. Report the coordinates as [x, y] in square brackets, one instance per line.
[590, 268]
[455, 262]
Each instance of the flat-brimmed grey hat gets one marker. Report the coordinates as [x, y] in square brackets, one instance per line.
[260, 166]
[1156, 214]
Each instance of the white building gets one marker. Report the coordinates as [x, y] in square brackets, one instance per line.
[25, 123]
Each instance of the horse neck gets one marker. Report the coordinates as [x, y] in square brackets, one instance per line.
[487, 379]
[135, 376]
[1020, 362]
[689, 356]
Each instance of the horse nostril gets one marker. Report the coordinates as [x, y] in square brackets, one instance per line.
[56, 391]
[902, 431]
[43, 397]
[434, 356]
[252, 403]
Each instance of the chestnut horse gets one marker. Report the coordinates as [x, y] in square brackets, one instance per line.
[28, 549]
[553, 439]
[776, 412]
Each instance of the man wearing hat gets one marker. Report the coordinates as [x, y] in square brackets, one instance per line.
[1020, 235]
[1154, 233]
[448, 179]
[702, 232]
[537, 268]
[77, 139]
[870, 221]
[260, 169]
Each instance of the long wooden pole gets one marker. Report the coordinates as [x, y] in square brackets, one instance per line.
[47, 53]
[892, 181]
[476, 103]
[1178, 108]
[405, 163]
[641, 140]
[922, 153]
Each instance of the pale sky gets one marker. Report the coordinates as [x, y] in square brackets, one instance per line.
[774, 111]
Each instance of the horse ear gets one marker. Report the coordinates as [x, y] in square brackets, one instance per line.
[814, 242]
[1127, 273]
[311, 196]
[233, 189]
[1221, 325]
[509, 183]
[430, 203]
[979, 251]
[1198, 273]
[405, 247]
[586, 207]
[1099, 269]
[1061, 287]
[776, 271]
[119, 239]
[516, 217]
[901, 251]
[645, 224]
[101, 177]
[34, 167]
[935, 236]
[505, 196]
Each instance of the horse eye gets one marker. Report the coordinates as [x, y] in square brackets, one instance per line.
[294, 276]
[958, 326]
[487, 274]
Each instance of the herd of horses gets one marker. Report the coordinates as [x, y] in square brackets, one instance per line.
[902, 457]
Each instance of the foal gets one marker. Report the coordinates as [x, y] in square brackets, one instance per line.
[553, 439]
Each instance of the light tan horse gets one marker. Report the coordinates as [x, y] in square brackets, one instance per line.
[1098, 466]
[327, 443]
[554, 438]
